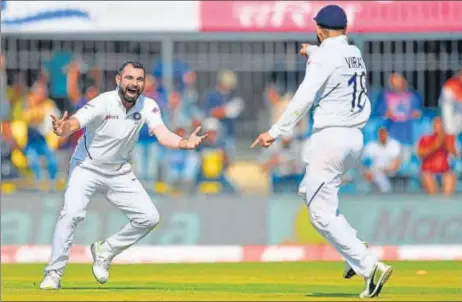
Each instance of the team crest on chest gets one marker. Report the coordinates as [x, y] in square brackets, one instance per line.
[137, 116]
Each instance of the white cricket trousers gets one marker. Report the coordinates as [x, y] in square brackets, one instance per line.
[381, 179]
[123, 191]
[331, 153]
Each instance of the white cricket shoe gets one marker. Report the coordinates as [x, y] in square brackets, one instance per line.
[52, 280]
[377, 280]
[101, 261]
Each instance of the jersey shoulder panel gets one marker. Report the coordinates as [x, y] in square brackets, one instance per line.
[150, 103]
[106, 99]
[108, 95]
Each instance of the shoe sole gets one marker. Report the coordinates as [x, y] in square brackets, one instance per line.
[49, 288]
[349, 274]
[93, 254]
[383, 279]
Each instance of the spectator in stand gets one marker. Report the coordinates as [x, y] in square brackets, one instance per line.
[190, 99]
[400, 105]
[223, 104]
[214, 160]
[17, 94]
[90, 91]
[182, 113]
[278, 104]
[14, 128]
[183, 108]
[435, 150]
[179, 70]
[182, 166]
[151, 90]
[382, 161]
[284, 162]
[175, 116]
[8, 170]
[54, 73]
[78, 82]
[148, 153]
[451, 105]
[5, 104]
[7, 141]
[177, 112]
[40, 137]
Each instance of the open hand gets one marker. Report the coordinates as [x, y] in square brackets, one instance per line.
[264, 140]
[58, 124]
[194, 140]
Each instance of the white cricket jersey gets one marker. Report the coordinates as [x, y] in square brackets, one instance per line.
[382, 156]
[336, 79]
[111, 132]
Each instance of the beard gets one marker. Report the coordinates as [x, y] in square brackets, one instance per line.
[130, 94]
[319, 40]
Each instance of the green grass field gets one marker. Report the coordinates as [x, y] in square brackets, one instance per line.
[412, 281]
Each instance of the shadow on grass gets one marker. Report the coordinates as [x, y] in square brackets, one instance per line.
[332, 295]
[112, 288]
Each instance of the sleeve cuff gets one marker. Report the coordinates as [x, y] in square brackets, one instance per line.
[274, 132]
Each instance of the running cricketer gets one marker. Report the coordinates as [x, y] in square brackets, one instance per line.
[112, 123]
[335, 71]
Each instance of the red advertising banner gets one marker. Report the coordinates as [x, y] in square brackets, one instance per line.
[363, 16]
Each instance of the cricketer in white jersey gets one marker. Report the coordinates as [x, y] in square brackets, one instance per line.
[112, 123]
[336, 73]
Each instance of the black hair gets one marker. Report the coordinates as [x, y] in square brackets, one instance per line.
[135, 64]
[331, 27]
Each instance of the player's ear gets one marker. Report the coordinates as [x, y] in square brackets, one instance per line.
[117, 78]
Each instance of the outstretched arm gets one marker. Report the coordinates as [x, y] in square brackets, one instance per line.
[174, 141]
[307, 50]
[317, 73]
[166, 137]
[68, 125]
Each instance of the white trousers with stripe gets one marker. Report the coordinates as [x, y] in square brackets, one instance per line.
[123, 191]
[330, 154]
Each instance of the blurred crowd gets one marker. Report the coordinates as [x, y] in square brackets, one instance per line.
[407, 147]
[30, 150]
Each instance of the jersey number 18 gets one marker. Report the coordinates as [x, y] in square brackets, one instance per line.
[358, 100]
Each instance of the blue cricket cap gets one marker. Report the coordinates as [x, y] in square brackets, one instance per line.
[331, 17]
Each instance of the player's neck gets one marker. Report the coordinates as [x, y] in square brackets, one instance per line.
[128, 105]
[333, 36]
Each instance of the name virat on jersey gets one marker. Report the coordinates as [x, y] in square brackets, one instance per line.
[355, 62]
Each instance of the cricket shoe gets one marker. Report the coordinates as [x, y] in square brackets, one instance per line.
[52, 280]
[377, 280]
[101, 261]
[348, 273]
